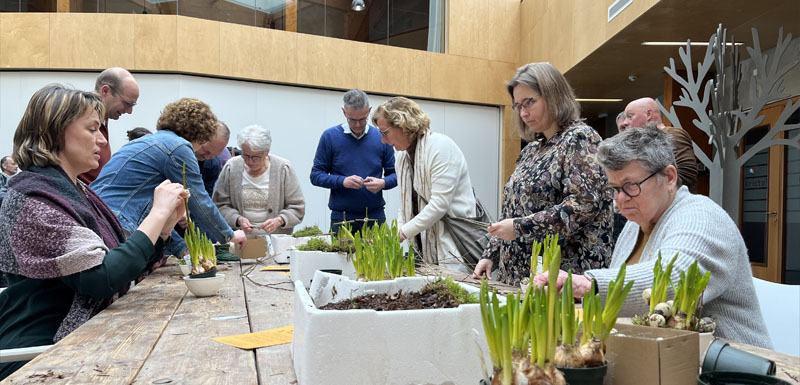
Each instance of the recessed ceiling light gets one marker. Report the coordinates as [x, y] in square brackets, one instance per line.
[598, 100]
[682, 43]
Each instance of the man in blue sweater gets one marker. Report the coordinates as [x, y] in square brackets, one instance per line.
[355, 165]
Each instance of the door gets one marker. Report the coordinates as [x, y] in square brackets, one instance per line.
[770, 203]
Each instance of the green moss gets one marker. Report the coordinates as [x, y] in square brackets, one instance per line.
[308, 231]
[446, 286]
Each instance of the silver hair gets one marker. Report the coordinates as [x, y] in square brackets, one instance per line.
[651, 147]
[355, 100]
[255, 137]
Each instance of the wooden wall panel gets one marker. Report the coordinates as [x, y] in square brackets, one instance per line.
[460, 78]
[198, 45]
[156, 43]
[398, 71]
[258, 53]
[589, 20]
[488, 29]
[24, 40]
[80, 41]
[335, 63]
[499, 74]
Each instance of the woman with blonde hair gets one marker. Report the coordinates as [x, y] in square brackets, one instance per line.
[62, 249]
[557, 186]
[433, 178]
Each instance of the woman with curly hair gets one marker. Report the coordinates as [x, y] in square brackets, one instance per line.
[127, 181]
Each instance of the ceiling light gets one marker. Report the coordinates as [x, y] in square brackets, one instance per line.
[681, 43]
[598, 100]
[358, 5]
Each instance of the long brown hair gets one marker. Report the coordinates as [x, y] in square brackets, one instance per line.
[553, 87]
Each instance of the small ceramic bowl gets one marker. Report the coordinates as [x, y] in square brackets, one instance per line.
[204, 287]
[185, 269]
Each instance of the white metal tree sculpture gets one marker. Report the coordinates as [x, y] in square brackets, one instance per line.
[718, 112]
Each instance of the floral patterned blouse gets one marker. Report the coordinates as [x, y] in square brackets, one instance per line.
[557, 187]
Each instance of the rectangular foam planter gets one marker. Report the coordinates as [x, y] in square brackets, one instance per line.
[430, 346]
[283, 243]
[303, 265]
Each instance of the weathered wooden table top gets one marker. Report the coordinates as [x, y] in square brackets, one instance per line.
[159, 333]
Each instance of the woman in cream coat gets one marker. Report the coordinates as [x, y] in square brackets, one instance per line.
[258, 189]
[433, 179]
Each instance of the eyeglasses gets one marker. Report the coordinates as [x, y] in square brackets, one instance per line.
[631, 189]
[356, 121]
[125, 102]
[384, 132]
[253, 157]
[525, 103]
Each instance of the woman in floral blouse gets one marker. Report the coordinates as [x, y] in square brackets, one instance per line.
[557, 186]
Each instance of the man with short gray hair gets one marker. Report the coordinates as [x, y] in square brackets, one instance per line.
[353, 162]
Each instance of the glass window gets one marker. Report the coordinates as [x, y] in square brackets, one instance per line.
[399, 23]
[27, 5]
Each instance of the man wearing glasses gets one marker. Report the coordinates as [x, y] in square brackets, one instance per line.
[355, 165]
[120, 92]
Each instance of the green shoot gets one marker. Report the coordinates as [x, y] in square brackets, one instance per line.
[569, 323]
[661, 281]
[691, 285]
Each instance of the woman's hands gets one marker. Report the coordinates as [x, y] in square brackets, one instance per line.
[503, 229]
[168, 208]
[245, 225]
[483, 269]
[272, 224]
[580, 283]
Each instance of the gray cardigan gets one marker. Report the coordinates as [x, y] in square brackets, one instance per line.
[698, 229]
[285, 197]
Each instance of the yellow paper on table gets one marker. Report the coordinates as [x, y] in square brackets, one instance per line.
[275, 268]
[260, 339]
[286, 273]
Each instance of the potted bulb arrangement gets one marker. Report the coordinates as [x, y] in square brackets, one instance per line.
[532, 340]
[436, 342]
[203, 279]
[319, 254]
[684, 310]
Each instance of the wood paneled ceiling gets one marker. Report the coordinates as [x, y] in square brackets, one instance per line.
[604, 73]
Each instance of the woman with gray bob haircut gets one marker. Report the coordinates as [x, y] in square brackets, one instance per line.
[665, 218]
[258, 189]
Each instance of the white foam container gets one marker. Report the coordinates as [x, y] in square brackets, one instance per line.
[303, 265]
[283, 243]
[430, 346]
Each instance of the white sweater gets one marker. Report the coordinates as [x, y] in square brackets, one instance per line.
[444, 168]
[697, 229]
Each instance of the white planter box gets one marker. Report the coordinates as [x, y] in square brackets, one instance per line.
[283, 243]
[303, 264]
[431, 346]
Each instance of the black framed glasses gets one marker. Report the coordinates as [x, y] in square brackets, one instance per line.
[525, 103]
[631, 189]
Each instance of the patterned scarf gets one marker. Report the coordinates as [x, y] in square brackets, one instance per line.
[52, 228]
[420, 184]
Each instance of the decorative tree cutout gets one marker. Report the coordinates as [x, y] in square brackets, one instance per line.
[725, 123]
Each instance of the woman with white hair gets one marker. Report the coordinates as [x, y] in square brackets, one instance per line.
[258, 189]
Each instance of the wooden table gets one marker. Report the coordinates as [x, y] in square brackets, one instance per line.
[159, 333]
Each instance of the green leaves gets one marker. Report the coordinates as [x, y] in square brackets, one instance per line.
[378, 253]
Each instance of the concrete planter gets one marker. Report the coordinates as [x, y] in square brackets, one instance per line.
[431, 346]
[303, 264]
[283, 243]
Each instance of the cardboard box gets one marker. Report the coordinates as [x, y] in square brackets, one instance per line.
[256, 247]
[648, 355]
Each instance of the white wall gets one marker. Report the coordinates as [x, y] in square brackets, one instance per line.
[296, 116]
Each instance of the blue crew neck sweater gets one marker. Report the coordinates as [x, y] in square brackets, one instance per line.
[340, 155]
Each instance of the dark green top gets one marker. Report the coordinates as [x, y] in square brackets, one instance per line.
[31, 310]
